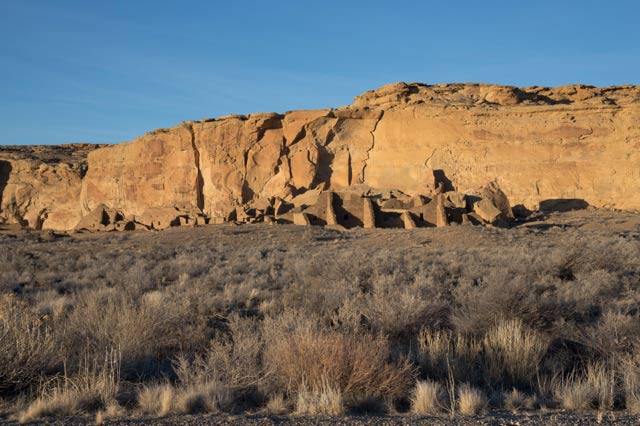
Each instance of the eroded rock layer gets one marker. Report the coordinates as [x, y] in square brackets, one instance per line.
[540, 145]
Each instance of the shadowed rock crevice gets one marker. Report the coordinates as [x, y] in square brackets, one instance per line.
[199, 178]
[5, 172]
[373, 143]
[563, 205]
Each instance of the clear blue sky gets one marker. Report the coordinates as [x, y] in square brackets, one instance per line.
[108, 71]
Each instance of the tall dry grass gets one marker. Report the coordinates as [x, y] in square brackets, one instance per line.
[442, 352]
[512, 353]
[93, 387]
[28, 349]
[629, 365]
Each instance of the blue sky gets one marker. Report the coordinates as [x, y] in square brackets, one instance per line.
[108, 71]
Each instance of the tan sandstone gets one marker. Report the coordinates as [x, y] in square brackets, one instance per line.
[537, 144]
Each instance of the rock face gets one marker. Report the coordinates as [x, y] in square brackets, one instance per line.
[40, 185]
[538, 144]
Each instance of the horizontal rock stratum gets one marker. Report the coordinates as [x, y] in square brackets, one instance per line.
[538, 144]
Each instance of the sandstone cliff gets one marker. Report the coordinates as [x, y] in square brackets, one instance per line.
[40, 185]
[539, 144]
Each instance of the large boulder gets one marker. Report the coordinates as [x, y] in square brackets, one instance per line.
[492, 193]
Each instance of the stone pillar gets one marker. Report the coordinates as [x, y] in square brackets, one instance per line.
[407, 220]
[441, 214]
[300, 218]
[330, 214]
[368, 214]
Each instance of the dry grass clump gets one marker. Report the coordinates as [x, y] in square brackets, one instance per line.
[202, 398]
[632, 400]
[602, 379]
[426, 398]
[209, 381]
[93, 388]
[156, 399]
[574, 393]
[593, 387]
[514, 400]
[164, 399]
[324, 400]
[512, 353]
[276, 405]
[508, 355]
[471, 401]
[57, 402]
[112, 411]
[302, 355]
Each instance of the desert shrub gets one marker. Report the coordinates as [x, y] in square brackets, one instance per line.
[300, 353]
[512, 353]
[228, 376]
[148, 331]
[426, 398]
[233, 357]
[28, 349]
[614, 333]
[501, 294]
[586, 253]
[398, 306]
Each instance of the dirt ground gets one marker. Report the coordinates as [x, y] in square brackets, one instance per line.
[494, 419]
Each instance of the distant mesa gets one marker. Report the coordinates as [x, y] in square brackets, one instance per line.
[404, 155]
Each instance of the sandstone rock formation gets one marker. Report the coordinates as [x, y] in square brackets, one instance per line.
[537, 144]
[40, 185]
